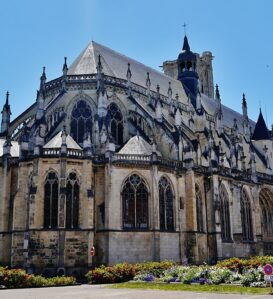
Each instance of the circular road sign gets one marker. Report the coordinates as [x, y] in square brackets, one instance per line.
[268, 269]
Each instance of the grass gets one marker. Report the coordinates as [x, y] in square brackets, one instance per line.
[192, 288]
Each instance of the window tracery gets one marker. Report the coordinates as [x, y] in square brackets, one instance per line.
[135, 203]
[224, 214]
[51, 198]
[165, 205]
[246, 217]
[72, 201]
[266, 205]
[116, 123]
[81, 121]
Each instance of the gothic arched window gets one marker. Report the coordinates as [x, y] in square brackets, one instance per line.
[81, 121]
[224, 214]
[165, 205]
[116, 123]
[72, 201]
[135, 203]
[266, 205]
[51, 196]
[199, 209]
[246, 217]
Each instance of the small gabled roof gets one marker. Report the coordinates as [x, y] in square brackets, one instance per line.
[260, 131]
[137, 146]
[56, 142]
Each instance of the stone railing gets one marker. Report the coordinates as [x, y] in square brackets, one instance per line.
[128, 158]
[91, 78]
[52, 152]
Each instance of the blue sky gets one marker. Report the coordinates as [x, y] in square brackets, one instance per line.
[239, 33]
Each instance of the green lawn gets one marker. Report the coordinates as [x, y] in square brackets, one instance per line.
[193, 288]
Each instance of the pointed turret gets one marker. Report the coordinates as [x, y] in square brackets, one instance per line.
[129, 76]
[244, 107]
[261, 132]
[43, 80]
[158, 106]
[6, 113]
[65, 68]
[99, 77]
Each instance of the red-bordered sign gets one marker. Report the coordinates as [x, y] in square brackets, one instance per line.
[268, 269]
[92, 251]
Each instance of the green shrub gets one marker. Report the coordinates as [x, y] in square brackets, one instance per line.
[18, 278]
[218, 276]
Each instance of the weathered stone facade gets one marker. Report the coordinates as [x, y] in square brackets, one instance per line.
[138, 164]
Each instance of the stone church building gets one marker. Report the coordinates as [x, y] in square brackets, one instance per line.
[141, 164]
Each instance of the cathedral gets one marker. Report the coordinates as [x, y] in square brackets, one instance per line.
[140, 164]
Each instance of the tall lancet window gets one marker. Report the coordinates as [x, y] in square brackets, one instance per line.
[199, 209]
[116, 123]
[135, 203]
[81, 121]
[224, 214]
[72, 201]
[246, 217]
[165, 205]
[266, 206]
[51, 196]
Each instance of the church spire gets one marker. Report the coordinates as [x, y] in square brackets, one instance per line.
[260, 131]
[186, 46]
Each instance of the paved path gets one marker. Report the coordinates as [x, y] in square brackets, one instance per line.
[102, 292]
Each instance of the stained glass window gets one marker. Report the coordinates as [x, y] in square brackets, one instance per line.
[165, 205]
[246, 217]
[135, 203]
[72, 201]
[51, 200]
[116, 123]
[224, 214]
[266, 205]
[81, 121]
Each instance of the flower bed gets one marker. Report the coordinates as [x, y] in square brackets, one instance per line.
[232, 271]
[18, 278]
[125, 272]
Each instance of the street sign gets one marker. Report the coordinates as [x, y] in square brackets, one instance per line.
[92, 251]
[268, 269]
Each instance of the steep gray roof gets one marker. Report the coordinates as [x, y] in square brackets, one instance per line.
[228, 114]
[14, 150]
[115, 64]
[137, 146]
[56, 142]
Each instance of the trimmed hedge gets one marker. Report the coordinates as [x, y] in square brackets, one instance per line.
[18, 278]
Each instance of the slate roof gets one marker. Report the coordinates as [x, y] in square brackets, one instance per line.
[137, 146]
[260, 131]
[14, 150]
[56, 142]
[115, 64]
[228, 114]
